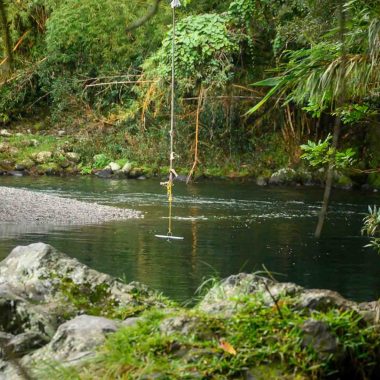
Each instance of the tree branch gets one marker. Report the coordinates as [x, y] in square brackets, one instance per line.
[151, 12]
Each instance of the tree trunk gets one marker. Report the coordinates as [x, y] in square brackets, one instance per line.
[7, 43]
[337, 125]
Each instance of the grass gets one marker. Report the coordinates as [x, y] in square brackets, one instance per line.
[256, 339]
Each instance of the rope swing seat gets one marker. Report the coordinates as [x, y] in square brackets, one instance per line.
[172, 172]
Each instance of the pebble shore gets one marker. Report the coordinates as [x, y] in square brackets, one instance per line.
[24, 206]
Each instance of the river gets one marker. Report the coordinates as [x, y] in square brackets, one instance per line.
[228, 227]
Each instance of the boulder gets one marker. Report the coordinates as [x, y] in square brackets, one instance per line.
[18, 315]
[317, 334]
[5, 133]
[113, 166]
[41, 275]
[27, 163]
[75, 340]
[323, 300]
[16, 173]
[222, 297]
[73, 157]
[126, 168]
[105, 173]
[43, 157]
[261, 181]
[283, 176]
[26, 342]
[185, 325]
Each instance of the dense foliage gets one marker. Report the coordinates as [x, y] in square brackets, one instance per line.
[75, 65]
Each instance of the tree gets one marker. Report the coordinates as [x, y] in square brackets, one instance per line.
[331, 75]
[7, 43]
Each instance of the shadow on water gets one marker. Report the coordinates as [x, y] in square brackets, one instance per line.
[228, 227]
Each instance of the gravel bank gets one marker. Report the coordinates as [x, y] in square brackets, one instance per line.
[24, 206]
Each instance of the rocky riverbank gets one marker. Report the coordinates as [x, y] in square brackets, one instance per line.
[62, 320]
[24, 206]
[59, 153]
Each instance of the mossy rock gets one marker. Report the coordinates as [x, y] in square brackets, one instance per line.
[344, 182]
[50, 168]
[374, 180]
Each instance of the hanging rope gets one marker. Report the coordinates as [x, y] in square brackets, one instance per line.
[172, 172]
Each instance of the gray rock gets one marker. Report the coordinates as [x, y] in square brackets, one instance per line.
[18, 315]
[317, 334]
[261, 181]
[43, 157]
[35, 275]
[27, 342]
[9, 371]
[283, 176]
[73, 157]
[16, 173]
[105, 173]
[5, 133]
[76, 340]
[370, 311]
[324, 300]
[126, 168]
[183, 324]
[20, 167]
[222, 297]
[26, 164]
[132, 321]
[113, 166]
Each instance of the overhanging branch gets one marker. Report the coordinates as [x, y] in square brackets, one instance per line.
[151, 12]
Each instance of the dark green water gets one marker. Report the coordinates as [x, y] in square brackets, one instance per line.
[228, 227]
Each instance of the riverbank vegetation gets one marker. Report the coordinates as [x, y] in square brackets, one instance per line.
[74, 67]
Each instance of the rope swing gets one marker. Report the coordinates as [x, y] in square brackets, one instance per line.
[172, 172]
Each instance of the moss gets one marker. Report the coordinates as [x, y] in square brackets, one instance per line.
[255, 340]
[374, 180]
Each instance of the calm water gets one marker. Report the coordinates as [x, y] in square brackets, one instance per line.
[228, 227]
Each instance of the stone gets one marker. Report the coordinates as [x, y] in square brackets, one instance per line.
[113, 166]
[35, 274]
[370, 311]
[6, 164]
[222, 297]
[323, 300]
[73, 157]
[317, 334]
[20, 167]
[105, 173]
[132, 321]
[61, 133]
[283, 176]
[16, 173]
[76, 340]
[43, 157]
[26, 342]
[18, 315]
[27, 163]
[126, 168]
[34, 142]
[5, 133]
[182, 324]
[261, 181]
[4, 147]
